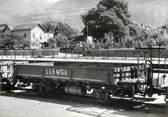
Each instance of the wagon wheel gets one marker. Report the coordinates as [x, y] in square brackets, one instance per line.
[150, 92]
[43, 90]
[6, 84]
[149, 89]
[103, 97]
[142, 87]
[131, 92]
[149, 65]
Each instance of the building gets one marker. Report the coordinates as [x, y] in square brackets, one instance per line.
[80, 41]
[35, 34]
[5, 31]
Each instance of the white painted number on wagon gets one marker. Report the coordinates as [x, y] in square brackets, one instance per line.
[56, 71]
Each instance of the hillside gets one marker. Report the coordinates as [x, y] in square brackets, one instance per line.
[151, 12]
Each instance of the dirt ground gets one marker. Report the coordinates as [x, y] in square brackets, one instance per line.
[16, 105]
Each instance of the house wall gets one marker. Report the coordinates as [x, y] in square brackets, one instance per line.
[37, 37]
[48, 36]
[23, 34]
[7, 32]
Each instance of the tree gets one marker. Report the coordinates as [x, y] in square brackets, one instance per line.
[109, 16]
[161, 35]
[142, 36]
[13, 42]
[109, 41]
[50, 44]
[129, 42]
[63, 33]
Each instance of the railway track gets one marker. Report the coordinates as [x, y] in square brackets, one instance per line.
[114, 103]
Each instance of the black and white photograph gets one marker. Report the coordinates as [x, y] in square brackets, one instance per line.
[83, 58]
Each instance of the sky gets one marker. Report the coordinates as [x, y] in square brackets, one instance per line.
[12, 12]
[52, 1]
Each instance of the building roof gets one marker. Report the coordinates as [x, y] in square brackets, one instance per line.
[3, 27]
[28, 27]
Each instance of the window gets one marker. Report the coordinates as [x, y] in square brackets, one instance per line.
[25, 34]
[33, 35]
[40, 36]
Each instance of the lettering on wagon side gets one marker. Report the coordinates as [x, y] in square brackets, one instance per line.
[56, 72]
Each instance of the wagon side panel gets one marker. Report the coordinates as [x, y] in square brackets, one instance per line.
[29, 71]
[92, 75]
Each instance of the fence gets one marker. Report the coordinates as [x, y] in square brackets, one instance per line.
[30, 52]
[124, 52]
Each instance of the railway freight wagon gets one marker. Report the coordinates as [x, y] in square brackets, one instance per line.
[86, 80]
